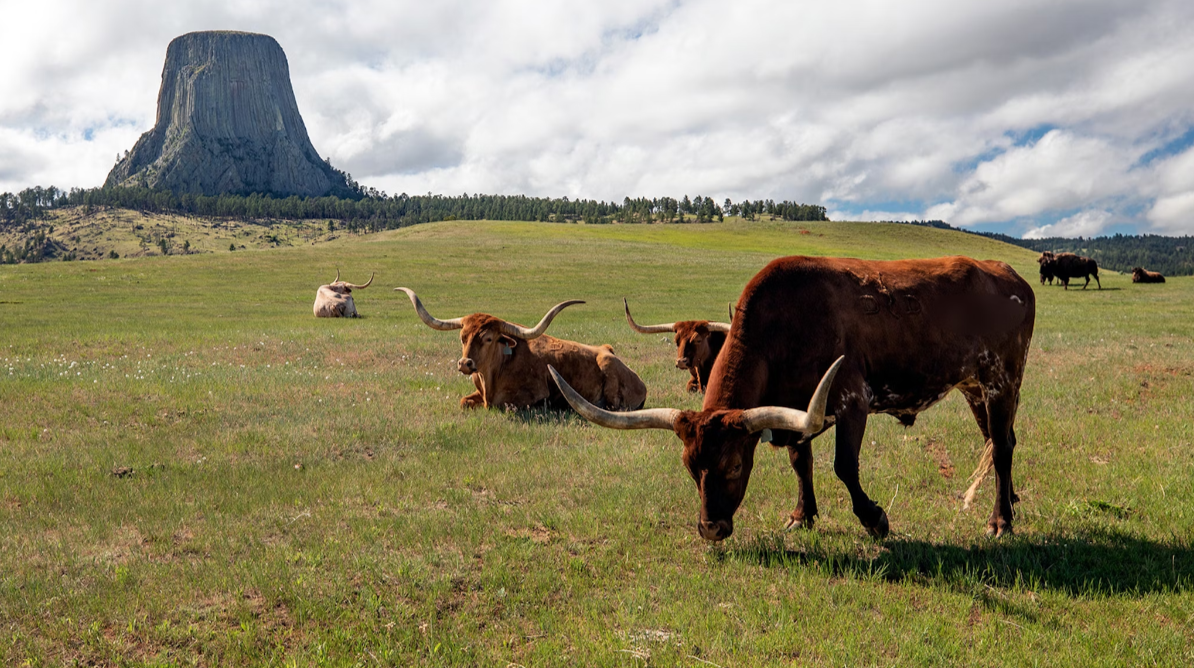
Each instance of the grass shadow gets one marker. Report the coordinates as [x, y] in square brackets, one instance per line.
[1092, 562]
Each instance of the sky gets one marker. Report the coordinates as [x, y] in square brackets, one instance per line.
[1033, 118]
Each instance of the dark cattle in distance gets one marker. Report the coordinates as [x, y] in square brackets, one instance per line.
[1142, 275]
[1065, 266]
[903, 334]
[508, 363]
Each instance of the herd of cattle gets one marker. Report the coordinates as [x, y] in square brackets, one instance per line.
[841, 338]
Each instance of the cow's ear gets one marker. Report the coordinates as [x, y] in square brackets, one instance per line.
[508, 344]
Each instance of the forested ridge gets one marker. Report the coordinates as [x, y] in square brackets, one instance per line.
[371, 211]
[1172, 256]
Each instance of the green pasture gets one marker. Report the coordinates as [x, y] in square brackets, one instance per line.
[196, 471]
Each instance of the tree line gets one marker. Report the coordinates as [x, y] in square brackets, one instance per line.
[375, 211]
[1172, 256]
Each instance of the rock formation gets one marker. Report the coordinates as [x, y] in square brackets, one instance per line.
[228, 123]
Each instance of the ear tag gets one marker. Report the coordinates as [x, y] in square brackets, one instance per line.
[766, 437]
[506, 350]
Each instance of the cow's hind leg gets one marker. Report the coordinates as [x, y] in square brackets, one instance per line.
[800, 453]
[1097, 281]
[978, 406]
[851, 426]
[1001, 415]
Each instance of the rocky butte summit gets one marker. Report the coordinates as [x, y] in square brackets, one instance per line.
[228, 123]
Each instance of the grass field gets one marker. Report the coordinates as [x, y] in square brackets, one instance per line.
[196, 471]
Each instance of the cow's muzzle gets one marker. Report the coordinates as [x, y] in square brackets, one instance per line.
[467, 366]
[715, 530]
[683, 363]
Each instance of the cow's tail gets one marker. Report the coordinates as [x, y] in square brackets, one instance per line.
[986, 462]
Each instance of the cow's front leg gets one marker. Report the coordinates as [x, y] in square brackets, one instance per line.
[694, 383]
[800, 454]
[476, 399]
[851, 426]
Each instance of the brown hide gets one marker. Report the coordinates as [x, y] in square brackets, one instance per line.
[1142, 275]
[1065, 266]
[521, 380]
[696, 348]
[910, 331]
[335, 301]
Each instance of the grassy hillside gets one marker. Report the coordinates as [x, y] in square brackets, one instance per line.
[193, 469]
[96, 233]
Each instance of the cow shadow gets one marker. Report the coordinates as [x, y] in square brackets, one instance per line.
[1091, 562]
[545, 414]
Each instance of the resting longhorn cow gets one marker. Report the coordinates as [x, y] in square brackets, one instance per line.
[1065, 266]
[334, 300]
[697, 344]
[509, 374]
[903, 334]
[1142, 275]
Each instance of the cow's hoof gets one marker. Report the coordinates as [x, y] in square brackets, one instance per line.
[994, 530]
[799, 522]
[881, 528]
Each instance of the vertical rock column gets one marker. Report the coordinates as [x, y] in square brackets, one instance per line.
[227, 122]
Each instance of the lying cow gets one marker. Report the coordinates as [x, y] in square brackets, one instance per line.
[508, 363]
[334, 300]
[1142, 275]
[697, 344]
[899, 335]
[1067, 265]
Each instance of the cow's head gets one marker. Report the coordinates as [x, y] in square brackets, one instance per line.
[485, 340]
[345, 288]
[1138, 273]
[692, 338]
[719, 445]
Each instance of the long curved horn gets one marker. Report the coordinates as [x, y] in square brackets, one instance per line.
[362, 287]
[651, 418]
[433, 323]
[649, 329]
[526, 334]
[337, 275]
[791, 419]
[723, 327]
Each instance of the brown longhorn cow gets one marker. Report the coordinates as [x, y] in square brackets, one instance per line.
[904, 333]
[1065, 266]
[1142, 275]
[334, 300]
[697, 344]
[508, 363]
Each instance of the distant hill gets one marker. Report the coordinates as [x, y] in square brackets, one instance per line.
[1172, 256]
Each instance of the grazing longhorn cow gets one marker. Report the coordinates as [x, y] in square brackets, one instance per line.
[903, 334]
[697, 344]
[1142, 275]
[334, 300]
[1066, 266]
[509, 374]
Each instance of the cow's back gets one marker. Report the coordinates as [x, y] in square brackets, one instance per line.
[905, 325]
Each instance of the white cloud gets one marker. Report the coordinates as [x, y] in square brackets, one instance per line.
[1060, 171]
[1083, 224]
[862, 106]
